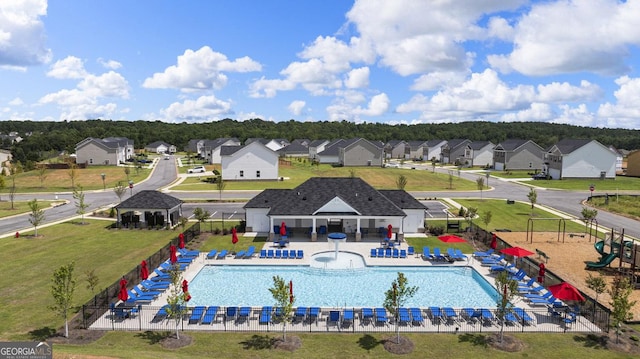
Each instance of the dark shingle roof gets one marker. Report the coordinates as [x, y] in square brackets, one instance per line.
[511, 144]
[150, 199]
[478, 145]
[309, 197]
[568, 145]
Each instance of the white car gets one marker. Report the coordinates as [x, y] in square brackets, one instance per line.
[392, 165]
[197, 169]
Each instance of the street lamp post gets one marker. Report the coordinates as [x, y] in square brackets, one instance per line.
[104, 185]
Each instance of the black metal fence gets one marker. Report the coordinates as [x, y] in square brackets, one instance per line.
[265, 319]
[109, 295]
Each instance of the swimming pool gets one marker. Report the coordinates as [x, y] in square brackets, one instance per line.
[249, 286]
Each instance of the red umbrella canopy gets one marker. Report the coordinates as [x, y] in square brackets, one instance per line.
[450, 238]
[565, 291]
[123, 295]
[516, 252]
[173, 257]
[234, 235]
[283, 229]
[144, 271]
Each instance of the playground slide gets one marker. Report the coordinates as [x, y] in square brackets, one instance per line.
[604, 261]
[599, 246]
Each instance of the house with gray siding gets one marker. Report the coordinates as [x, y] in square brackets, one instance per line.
[481, 153]
[109, 151]
[580, 158]
[456, 152]
[518, 154]
[360, 152]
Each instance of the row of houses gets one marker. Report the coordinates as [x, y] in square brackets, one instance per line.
[258, 158]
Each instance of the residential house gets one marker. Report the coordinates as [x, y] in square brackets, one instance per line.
[274, 144]
[211, 149]
[297, 148]
[5, 157]
[323, 204]
[434, 150]
[633, 163]
[580, 158]
[331, 152]
[360, 152]
[619, 159]
[160, 147]
[418, 149]
[196, 147]
[149, 209]
[518, 154]
[316, 147]
[396, 149]
[106, 151]
[11, 138]
[456, 152]
[254, 161]
[481, 154]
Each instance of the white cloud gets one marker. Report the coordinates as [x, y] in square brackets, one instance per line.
[16, 102]
[109, 64]
[577, 116]
[536, 112]
[200, 70]
[357, 78]
[22, 34]
[204, 108]
[573, 36]
[346, 108]
[500, 28]
[378, 105]
[436, 80]
[557, 92]
[296, 107]
[70, 67]
[625, 112]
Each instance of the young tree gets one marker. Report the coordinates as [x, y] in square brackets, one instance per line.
[433, 166]
[201, 214]
[620, 291]
[183, 222]
[92, 280]
[352, 173]
[396, 297]
[177, 299]
[401, 182]
[597, 284]
[470, 215]
[62, 291]
[507, 290]
[220, 185]
[119, 190]
[14, 169]
[36, 217]
[480, 185]
[2, 183]
[486, 219]
[127, 171]
[81, 205]
[73, 174]
[533, 198]
[588, 215]
[450, 179]
[42, 174]
[284, 300]
[104, 177]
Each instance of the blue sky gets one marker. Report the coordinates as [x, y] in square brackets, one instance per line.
[401, 61]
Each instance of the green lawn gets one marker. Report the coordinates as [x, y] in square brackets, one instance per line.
[322, 346]
[625, 205]
[20, 207]
[601, 186]
[28, 264]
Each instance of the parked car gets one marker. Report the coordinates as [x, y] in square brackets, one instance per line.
[539, 176]
[392, 165]
[197, 169]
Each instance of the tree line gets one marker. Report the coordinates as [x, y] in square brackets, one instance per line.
[45, 139]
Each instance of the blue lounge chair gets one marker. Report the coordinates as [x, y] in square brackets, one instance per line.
[487, 316]
[437, 255]
[263, 253]
[436, 314]
[299, 254]
[416, 316]
[314, 313]
[450, 315]
[519, 275]
[381, 316]
[453, 255]
[118, 312]
[524, 316]
[387, 253]
[292, 254]
[187, 253]
[196, 314]
[546, 295]
[395, 253]
[161, 314]
[492, 261]
[501, 268]
[374, 252]
[278, 254]
[265, 315]
[471, 315]
[185, 260]
[461, 255]
[300, 314]
[135, 300]
[347, 318]
[222, 254]
[154, 285]
[411, 251]
[524, 287]
[285, 254]
[270, 254]
[484, 254]
[510, 319]
[212, 254]
[250, 252]
[210, 315]
[140, 293]
[426, 254]
[240, 254]
[333, 319]
[231, 313]
[380, 252]
[243, 314]
[403, 253]
[366, 316]
[403, 316]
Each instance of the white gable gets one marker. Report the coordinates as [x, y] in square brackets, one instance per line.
[336, 205]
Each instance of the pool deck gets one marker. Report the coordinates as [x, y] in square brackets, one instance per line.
[544, 320]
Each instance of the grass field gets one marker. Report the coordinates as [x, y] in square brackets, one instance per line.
[20, 207]
[625, 205]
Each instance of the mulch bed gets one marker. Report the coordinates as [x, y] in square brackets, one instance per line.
[391, 344]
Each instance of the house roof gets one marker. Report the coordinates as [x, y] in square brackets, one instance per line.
[457, 142]
[150, 199]
[229, 150]
[309, 197]
[511, 144]
[416, 144]
[157, 144]
[294, 148]
[478, 145]
[333, 148]
[433, 143]
[568, 145]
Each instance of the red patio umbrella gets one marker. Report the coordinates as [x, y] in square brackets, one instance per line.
[516, 252]
[144, 271]
[494, 242]
[185, 290]
[172, 255]
[291, 292]
[389, 232]
[450, 238]
[283, 229]
[123, 295]
[541, 272]
[566, 292]
[181, 241]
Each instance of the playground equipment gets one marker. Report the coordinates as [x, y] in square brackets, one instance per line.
[628, 251]
[562, 227]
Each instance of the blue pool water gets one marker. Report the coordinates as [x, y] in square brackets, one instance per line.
[249, 286]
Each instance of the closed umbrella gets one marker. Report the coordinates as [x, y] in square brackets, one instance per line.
[181, 241]
[172, 254]
[566, 292]
[123, 295]
[541, 272]
[144, 271]
[290, 292]
[494, 242]
[283, 229]
[450, 238]
[234, 237]
[389, 232]
[185, 290]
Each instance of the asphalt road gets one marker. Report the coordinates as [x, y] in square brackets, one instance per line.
[165, 173]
